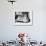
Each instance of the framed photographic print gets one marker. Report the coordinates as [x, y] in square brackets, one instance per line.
[23, 18]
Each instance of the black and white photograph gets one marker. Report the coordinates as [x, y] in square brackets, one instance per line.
[22, 22]
[23, 18]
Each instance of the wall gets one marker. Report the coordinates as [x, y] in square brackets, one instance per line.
[37, 30]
